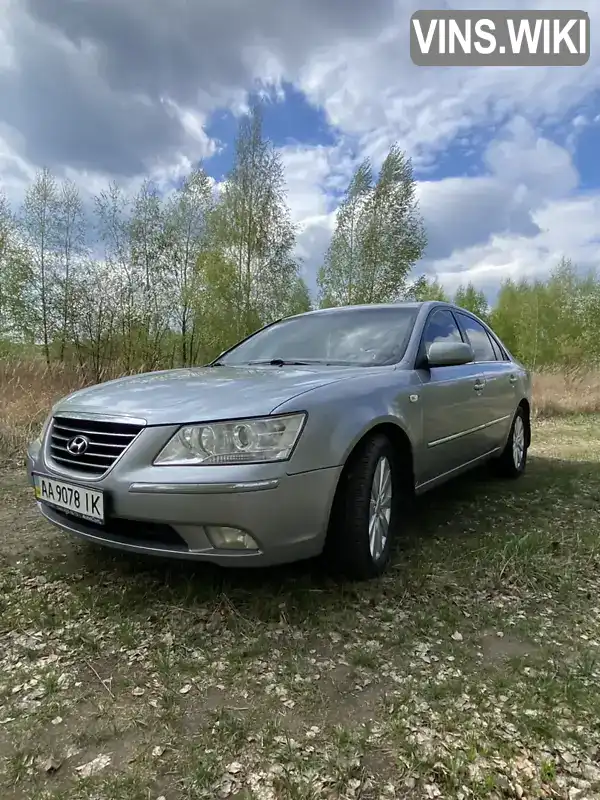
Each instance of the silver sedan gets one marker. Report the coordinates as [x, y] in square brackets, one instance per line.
[309, 436]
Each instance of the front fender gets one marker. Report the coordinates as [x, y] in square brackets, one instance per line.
[370, 425]
[340, 415]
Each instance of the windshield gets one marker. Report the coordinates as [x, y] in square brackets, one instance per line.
[360, 337]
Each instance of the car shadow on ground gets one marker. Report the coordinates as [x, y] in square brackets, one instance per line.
[466, 509]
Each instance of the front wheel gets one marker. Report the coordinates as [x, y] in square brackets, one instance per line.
[513, 460]
[365, 513]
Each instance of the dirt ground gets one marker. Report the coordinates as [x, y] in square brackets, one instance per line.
[469, 671]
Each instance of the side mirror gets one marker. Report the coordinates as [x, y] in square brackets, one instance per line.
[449, 354]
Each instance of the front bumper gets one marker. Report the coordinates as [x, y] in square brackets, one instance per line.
[165, 510]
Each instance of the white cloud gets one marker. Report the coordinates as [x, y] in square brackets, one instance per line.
[125, 90]
[517, 221]
[517, 218]
[568, 228]
[493, 224]
[522, 172]
[580, 121]
[312, 175]
[306, 170]
[372, 90]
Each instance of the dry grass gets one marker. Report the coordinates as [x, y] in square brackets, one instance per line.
[27, 391]
[574, 391]
[29, 388]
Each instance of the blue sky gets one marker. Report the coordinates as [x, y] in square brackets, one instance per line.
[289, 119]
[586, 156]
[506, 159]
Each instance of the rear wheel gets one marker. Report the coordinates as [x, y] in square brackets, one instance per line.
[365, 514]
[513, 460]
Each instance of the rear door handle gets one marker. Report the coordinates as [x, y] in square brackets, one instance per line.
[513, 379]
[479, 385]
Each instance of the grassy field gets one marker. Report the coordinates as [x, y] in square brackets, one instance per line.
[471, 670]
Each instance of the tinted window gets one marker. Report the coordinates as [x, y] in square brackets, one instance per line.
[362, 337]
[478, 339]
[441, 327]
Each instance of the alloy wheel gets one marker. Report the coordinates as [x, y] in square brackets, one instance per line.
[518, 442]
[380, 508]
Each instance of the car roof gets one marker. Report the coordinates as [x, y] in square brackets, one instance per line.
[363, 307]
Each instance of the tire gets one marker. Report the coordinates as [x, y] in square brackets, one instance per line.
[350, 548]
[513, 460]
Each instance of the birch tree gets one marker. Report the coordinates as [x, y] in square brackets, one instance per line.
[299, 300]
[394, 235]
[379, 235]
[187, 218]
[149, 259]
[252, 228]
[39, 217]
[425, 288]
[14, 276]
[70, 235]
[112, 218]
[96, 297]
[340, 277]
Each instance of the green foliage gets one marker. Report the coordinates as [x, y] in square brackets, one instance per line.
[219, 294]
[394, 237]
[252, 231]
[70, 233]
[549, 323]
[552, 322]
[187, 219]
[472, 299]
[14, 276]
[298, 301]
[153, 282]
[39, 219]
[339, 277]
[425, 288]
[379, 235]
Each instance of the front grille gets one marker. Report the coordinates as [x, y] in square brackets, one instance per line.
[106, 441]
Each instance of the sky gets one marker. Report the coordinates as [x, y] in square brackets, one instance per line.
[506, 159]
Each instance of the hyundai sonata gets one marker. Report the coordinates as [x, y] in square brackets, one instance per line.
[309, 436]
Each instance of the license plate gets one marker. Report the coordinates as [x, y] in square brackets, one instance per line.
[77, 500]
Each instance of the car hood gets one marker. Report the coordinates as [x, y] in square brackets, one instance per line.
[201, 394]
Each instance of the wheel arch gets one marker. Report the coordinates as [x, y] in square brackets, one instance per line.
[400, 442]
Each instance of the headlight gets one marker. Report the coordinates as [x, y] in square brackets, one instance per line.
[240, 441]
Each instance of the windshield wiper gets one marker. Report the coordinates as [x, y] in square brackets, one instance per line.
[287, 362]
[284, 362]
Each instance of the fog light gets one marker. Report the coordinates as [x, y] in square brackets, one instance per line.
[230, 538]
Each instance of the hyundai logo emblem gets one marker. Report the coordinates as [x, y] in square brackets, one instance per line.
[78, 445]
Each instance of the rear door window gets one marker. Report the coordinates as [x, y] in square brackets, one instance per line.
[478, 339]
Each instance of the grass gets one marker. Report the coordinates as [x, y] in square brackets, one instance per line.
[469, 671]
[574, 391]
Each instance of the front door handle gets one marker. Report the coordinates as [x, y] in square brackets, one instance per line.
[479, 385]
